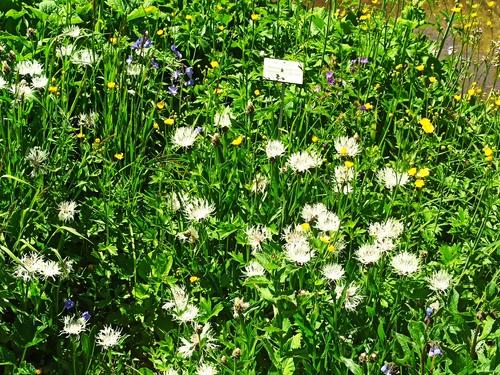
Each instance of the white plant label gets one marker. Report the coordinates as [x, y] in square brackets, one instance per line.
[283, 71]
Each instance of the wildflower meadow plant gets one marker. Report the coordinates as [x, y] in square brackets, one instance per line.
[165, 209]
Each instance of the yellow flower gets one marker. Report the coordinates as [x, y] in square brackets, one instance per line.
[489, 158]
[80, 135]
[432, 79]
[155, 125]
[149, 9]
[217, 91]
[189, 17]
[343, 151]
[456, 10]
[169, 121]
[497, 102]
[160, 104]
[113, 40]
[474, 6]
[488, 151]
[305, 226]
[256, 92]
[423, 172]
[111, 85]
[473, 15]
[420, 68]
[348, 164]
[368, 106]
[365, 17]
[97, 140]
[479, 91]
[419, 183]
[377, 86]
[488, 23]
[254, 17]
[314, 139]
[193, 279]
[330, 248]
[324, 239]
[237, 141]
[471, 92]
[119, 156]
[219, 7]
[374, 1]
[221, 28]
[412, 171]
[457, 97]
[53, 89]
[426, 125]
[214, 64]
[491, 3]
[399, 66]
[160, 32]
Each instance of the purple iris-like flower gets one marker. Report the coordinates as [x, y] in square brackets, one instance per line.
[68, 304]
[154, 63]
[129, 60]
[189, 82]
[142, 43]
[173, 90]
[173, 48]
[354, 61]
[86, 316]
[189, 72]
[176, 75]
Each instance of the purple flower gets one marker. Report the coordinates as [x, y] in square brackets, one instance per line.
[363, 60]
[176, 75]
[317, 89]
[68, 304]
[435, 350]
[142, 43]
[430, 311]
[173, 90]
[354, 61]
[154, 63]
[329, 77]
[173, 48]
[189, 72]
[189, 83]
[199, 129]
[352, 69]
[363, 108]
[86, 316]
[129, 60]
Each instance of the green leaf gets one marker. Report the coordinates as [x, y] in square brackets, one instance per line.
[353, 366]
[296, 341]
[417, 333]
[288, 367]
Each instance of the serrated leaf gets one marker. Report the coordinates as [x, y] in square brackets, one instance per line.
[296, 341]
[288, 366]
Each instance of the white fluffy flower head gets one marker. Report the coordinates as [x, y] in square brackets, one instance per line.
[347, 146]
[275, 148]
[405, 263]
[303, 161]
[198, 209]
[67, 211]
[184, 137]
[108, 337]
[390, 178]
[440, 281]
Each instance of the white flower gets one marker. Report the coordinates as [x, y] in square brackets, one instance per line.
[254, 268]
[347, 146]
[439, 281]
[351, 296]
[87, 119]
[259, 184]
[239, 306]
[31, 68]
[405, 263]
[3, 83]
[299, 252]
[294, 233]
[72, 31]
[22, 91]
[37, 157]
[333, 272]
[223, 119]
[390, 178]
[189, 314]
[67, 211]
[205, 369]
[256, 236]
[311, 212]
[73, 326]
[343, 188]
[184, 136]
[342, 174]
[328, 222]
[389, 229]
[67, 267]
[49, 268]
[368, 254]
[180, 298]
[39, 82]
[201, 340]
[275, 148]
[84, 57]
[304, 161]
[29, 267]
[62, 51]
[108, 337]
[198, 209]
[386, 245]
[176, 200]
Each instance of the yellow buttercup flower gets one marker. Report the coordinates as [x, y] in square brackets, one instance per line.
[53, 89]
[169, 121]
[119, 156]
[219, 7]
[160, 32]
[254, 17]
[189, 17]
[324, 239]
[432, 79]
[348, 164]
[111, 85]
[221, 28]
[419, 183]
[420, 68]
[497, 102]
[214, 64]
[491, 3]
[256, 92]
[193, 279]
[331, 248]
[488, 151]
[426, 125]
[412, 171]
[314, 139]
[457, 97]
[149, 9]
[160, 104]
[368, 106]
[456, 10]
[113, 40]
[423, 172]
[471, 92]
[217, 91]
[305, 226]
[80, 135]
[237, 141]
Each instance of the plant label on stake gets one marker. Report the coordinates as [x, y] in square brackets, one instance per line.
[283, 71]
